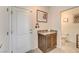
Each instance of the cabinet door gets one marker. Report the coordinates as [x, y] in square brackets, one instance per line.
[48, 42]
[53, 40]
[41, 42]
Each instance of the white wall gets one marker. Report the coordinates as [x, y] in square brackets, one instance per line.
[4, 28]
[54, 20]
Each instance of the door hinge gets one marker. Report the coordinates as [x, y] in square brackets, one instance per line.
[11, 51]
[11, 12]
[7, 9]
[11, 32]
[7, 33]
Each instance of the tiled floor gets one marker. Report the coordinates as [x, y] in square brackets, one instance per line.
[67, 47]
[56, 50]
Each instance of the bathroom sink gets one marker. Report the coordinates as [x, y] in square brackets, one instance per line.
[47, 32]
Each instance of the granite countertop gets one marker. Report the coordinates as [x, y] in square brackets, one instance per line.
[48, 32]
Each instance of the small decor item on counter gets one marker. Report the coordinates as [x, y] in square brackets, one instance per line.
[48, 30]
[41, 16]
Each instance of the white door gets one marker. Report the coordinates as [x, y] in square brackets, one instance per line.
[4, 29]
[22, 40]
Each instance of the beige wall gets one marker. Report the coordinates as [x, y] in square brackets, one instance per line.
[69, 27]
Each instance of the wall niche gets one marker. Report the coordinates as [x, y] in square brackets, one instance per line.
[76, 18]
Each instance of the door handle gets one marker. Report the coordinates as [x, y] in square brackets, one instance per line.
[7, 33]
[31, 32]
[1, 45]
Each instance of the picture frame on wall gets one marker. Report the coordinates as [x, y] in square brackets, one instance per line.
[41, 16]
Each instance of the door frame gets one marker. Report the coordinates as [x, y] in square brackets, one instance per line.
[60, 20]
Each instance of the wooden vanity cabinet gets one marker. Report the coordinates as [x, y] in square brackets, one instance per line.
[47, 42]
